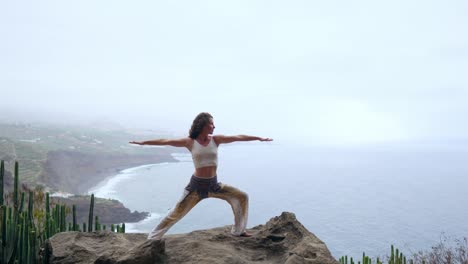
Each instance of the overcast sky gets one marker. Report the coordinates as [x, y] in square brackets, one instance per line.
[315, 71]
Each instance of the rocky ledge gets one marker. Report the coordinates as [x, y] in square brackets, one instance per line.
[283, 239]
[109, 211]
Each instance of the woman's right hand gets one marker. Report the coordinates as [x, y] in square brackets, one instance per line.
[136, 142]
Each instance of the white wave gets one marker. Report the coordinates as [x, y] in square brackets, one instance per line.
[107, 187]
[133, 169]
[61, 194]
[107, 190]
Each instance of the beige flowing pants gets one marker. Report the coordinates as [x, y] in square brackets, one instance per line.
[238, 200]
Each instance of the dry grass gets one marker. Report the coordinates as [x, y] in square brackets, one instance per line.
[447, 251]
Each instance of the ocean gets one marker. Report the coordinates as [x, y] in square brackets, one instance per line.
[355, 199]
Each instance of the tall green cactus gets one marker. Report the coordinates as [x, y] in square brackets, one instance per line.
[97, 226]
[2, 172]
[90, 217]
[63, 220]
[30, 207]
[3, 213]
[4, 233]
[47, 226]
[56, 222]
[20, 239]
[75, 227]
[21, 206]
[15, 190]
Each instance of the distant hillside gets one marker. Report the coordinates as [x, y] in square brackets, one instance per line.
[72, 158]
[76, 172]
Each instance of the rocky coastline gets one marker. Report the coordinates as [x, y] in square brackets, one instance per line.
[76, 172]
[109, 211]
[68, 161]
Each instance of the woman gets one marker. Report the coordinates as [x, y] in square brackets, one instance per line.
[203, 183]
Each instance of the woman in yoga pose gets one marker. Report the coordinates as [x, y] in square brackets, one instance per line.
[204, 184]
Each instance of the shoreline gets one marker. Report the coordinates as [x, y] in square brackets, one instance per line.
[121, 173]
[77, 172]
[105, 188]
[71, 175]
[117, 178]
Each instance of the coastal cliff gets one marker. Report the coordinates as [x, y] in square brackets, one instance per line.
[76, 172]
[283, 239]
[71, 160]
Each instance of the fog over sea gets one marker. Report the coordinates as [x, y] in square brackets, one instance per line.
[354, 199]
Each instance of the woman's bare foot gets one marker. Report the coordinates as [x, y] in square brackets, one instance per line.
[245, 234]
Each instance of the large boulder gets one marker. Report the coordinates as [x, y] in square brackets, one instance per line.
[282, 239]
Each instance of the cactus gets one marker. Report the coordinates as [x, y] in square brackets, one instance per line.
[90, 218]
[63, 218]
[75, 228]
[2, 172]
[4, 229]
[20, 239]
[47, 216]
[96, 224]
[396, 257]
[15, 190]
[21, 206]
[56, 213]
[24, 238]
[32, 250]
[30, 207]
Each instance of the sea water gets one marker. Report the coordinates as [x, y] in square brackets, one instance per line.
[354, 199]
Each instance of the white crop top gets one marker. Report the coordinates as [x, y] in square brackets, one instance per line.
[204, 156]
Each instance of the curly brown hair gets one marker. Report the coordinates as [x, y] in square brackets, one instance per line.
[198, 124]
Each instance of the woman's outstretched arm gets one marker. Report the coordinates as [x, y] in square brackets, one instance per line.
[181, 142]
[220, 139]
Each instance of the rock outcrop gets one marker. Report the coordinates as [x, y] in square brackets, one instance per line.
[282, 239]
[109, 211]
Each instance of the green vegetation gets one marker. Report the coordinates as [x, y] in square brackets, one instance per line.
[29, 144]
[396, 257]
[23, 231]
[32, 140]
[443, 253]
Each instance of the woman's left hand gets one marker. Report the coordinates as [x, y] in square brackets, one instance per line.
[266, 139]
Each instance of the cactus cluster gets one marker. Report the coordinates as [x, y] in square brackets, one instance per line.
[23, 231]
[396, 257]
